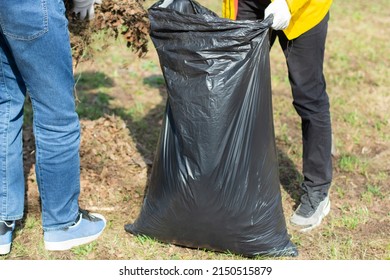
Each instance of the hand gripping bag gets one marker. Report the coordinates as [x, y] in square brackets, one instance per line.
[214, 181]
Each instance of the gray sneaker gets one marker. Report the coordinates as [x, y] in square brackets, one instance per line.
[6, 229]
[313, 208]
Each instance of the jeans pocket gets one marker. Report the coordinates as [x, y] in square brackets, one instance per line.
[23, 19]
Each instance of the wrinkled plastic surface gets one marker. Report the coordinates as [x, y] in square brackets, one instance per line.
[214, 181]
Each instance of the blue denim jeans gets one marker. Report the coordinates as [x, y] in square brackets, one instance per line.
[35, 57]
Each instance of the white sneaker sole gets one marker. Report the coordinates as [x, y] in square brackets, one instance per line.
[69, 244]
[326, 212]
[5, 249]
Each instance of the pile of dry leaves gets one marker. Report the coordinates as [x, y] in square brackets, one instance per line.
[110, 162]
[127, 18]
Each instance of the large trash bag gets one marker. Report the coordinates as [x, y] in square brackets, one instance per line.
[214, 181]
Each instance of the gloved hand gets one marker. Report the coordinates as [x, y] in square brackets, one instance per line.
[85, 7]
[281, 12]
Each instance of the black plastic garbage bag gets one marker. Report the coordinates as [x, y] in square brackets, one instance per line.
[215, 180]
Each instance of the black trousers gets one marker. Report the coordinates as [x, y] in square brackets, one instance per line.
[305, 58]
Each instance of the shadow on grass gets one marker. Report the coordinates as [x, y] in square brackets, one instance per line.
[290, 178]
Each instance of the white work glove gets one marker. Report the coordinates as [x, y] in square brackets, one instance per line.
[281, 13]
[85, 7]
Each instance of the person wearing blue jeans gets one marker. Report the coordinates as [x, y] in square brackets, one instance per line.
[35, 58]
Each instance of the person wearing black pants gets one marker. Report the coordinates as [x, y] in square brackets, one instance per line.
[305, 56]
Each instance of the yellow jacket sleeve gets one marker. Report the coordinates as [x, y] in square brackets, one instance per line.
[305, 14]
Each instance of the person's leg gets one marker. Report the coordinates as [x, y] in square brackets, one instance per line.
[37, 34]
[251, 9]
[39, 42]
[305, 56]
[12, 95]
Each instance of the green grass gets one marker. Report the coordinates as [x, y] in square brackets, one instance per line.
[340, 191]
[376, 191]
[349, 163]
[145, 240]
[84, 250]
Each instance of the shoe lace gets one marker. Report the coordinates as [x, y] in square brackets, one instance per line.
[84, 214]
